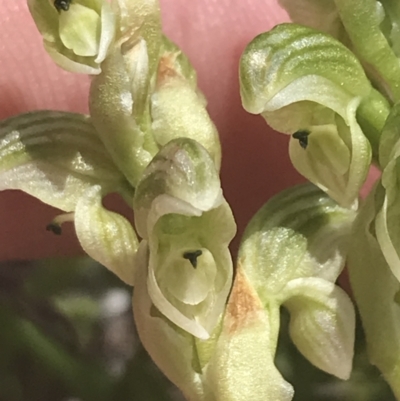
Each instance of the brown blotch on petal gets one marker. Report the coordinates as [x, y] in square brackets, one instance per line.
[166, 69]
[244, 303]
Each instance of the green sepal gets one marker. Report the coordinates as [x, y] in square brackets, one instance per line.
[106, 236]
[376, 290]
[55, 157]
[118, 111]
[178, 109]
[322, 324]
[303, 80]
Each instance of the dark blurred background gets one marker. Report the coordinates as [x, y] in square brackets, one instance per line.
[67, 334]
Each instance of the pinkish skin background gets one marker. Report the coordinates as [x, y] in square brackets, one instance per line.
[213, 33]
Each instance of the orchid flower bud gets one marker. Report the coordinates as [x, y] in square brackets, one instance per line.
[77, 34]
[181, 214]
[307, 84]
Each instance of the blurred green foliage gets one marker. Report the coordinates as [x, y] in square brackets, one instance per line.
[67, 334]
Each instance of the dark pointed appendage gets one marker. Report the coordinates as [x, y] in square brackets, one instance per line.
[302, 136]
[54, 228]
[62, 5]
[192, 256]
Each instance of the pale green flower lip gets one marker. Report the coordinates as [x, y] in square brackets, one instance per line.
[77, 34]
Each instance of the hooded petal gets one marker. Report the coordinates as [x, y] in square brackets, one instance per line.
[301, 232]
[55, 156]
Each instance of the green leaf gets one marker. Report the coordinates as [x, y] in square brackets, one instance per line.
[375, 290]
[298, 233]
[55, 157]
[322, 324]
[303, 80]
[106, 236]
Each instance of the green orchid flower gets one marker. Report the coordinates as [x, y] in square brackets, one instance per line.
[77, 34]
[309, 85]
[182, 216]
[58, 158]
[291, 254]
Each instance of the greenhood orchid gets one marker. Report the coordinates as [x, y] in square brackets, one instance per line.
[331, 81]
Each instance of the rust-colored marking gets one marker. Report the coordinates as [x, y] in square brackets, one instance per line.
[244, 304]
